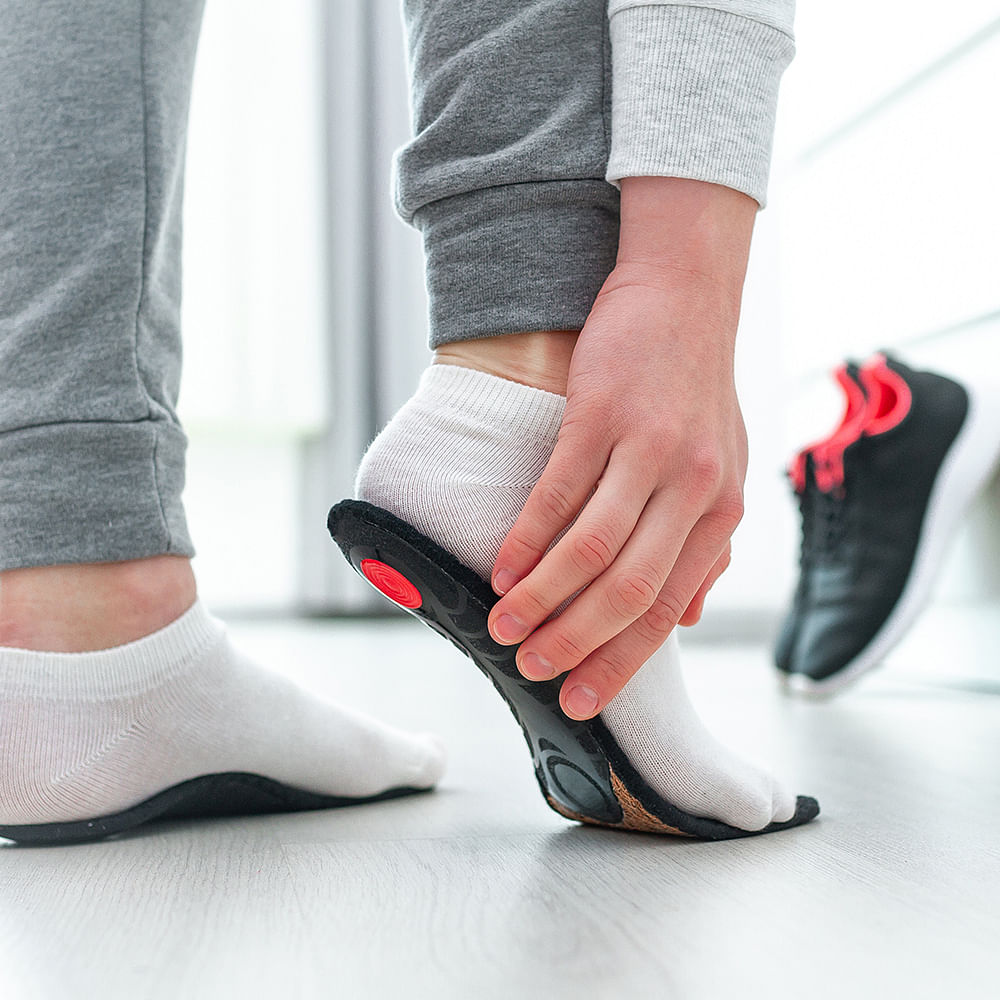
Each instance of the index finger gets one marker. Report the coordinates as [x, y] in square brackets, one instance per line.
[557, 498]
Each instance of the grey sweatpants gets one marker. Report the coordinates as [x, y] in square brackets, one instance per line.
[504, 178]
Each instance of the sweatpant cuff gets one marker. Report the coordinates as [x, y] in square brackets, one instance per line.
[517, 258]
[91, 492]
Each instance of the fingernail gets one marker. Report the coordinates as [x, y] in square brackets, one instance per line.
[535, 668]
[508, 629]
[503, 581]
[581, 701]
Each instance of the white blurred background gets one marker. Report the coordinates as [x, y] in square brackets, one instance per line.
[305, 312]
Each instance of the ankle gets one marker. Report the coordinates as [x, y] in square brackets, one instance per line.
[86, 607]
[539, 358]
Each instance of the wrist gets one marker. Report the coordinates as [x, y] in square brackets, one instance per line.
[680, 227]
[694, 312]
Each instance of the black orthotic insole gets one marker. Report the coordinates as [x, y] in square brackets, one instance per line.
[573, 760]
[212, 795]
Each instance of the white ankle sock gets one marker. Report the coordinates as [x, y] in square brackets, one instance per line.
[89, 734]
[458, 462]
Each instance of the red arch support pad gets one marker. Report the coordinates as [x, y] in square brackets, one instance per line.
[392, 583]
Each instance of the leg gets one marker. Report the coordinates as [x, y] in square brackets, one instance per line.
[520, 232]
[90, 446]
[115, 684]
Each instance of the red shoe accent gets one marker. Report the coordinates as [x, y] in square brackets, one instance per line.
[392, 583]
[828, 454]
[889, 395]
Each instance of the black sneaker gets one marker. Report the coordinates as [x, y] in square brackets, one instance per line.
[881, 499]
[802, 473]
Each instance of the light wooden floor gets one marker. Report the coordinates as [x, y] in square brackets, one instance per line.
[479, 891]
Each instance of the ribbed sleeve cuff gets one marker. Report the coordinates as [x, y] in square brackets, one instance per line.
[89, 492]
[695, 91]
[517, 257]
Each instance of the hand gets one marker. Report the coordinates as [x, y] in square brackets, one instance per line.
[650, 462]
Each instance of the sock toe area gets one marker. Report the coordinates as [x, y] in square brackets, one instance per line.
[783, 803]
[747, 803]
[430, 760]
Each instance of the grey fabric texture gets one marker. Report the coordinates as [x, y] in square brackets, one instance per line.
[93, 108]
[504, 177]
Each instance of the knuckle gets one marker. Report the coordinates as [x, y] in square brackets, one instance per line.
[729, 508]
[569, 646]
[613, 671]
[591, 552]
[522, 547]
[556, 500]
[630, 594]
[658, 622]
[706, 470]
[532, 604]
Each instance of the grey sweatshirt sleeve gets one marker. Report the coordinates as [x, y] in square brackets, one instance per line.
[695, 88]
